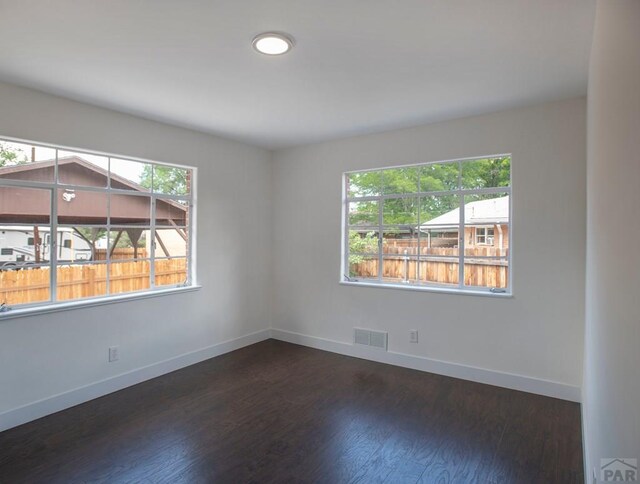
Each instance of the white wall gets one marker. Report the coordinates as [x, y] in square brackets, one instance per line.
[611, 394]
[293, 270]
[42, 356]
[538, 333]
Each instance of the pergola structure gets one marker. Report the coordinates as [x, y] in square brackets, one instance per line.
[128, 213]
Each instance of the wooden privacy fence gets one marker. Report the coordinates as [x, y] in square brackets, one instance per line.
[121, 253]
[399, 246]
[398, 267]
[476, 272]
[88, 280]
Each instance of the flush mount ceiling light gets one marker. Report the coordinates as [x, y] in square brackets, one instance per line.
[272, 43]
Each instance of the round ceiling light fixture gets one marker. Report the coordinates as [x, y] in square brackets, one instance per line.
[272, 43]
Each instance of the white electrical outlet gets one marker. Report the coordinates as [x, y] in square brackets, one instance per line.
[413, 336]
[114, 354]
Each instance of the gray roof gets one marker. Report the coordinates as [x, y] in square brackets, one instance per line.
[482, 212]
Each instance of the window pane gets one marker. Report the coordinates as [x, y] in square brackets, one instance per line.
[129, 276]
[400, 180]
[488, 273]
[486, 228]
[171, 180]
[439, 225]
[486, 173]
[169, 243]
[439, 270]
[24, 284]
[20, 161]
[399, 240]
[82, 169]
[363, 213]
[130, 209]
[362, 267]
[128, 243]
[170, 272]
[171, 213]
[439, 210]
[363, 242]
[24, 245]
[79, 281]
[82, 207]
[76, 244]
[438, 177]
[441, 243]
[95, 237]
[364, 184]
[25, 205]
[131, 175]
[399, 268]
[397, 211]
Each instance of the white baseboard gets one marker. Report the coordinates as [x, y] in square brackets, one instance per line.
[528, 384]
[61, 401]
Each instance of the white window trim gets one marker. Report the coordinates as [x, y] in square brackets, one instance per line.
[428, 287]
[52, 304]
[24, 310]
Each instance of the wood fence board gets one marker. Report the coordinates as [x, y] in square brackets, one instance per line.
[399, 266]
[88, 280]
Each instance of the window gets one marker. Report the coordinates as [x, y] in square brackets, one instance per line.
[79, 225]
[439, 225]
[484, 236]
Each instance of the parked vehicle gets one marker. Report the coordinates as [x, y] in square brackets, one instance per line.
[19, 248]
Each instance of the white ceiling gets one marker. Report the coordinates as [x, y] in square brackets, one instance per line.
[359, 66]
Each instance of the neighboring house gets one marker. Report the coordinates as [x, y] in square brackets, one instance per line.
[486, 225]
[76, 207]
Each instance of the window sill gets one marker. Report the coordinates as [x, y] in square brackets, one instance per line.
[65, 306]
[440, 290]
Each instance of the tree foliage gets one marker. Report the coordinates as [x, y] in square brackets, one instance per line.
[165, 179]
[438, 177]
[361, 244]
[12, 156]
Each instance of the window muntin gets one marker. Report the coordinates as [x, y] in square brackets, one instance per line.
[104, 211]
[444, 225]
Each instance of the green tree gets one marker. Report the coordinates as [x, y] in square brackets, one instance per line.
[164, 179]
[12, 156]
[488, 172]
[360, 244]
[409, 211]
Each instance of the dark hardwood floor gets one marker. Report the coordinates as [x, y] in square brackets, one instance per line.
[277, 412]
